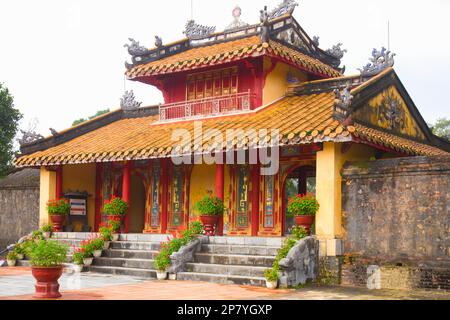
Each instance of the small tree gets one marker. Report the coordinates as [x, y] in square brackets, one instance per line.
[441, 128]
[9, 119]
[97, 114]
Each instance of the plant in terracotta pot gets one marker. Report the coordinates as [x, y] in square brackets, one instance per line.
[19, 250]
[11, 258]
[210, 209]
[106, 233]
[58, 210]
[304, 208]
[47, 231]
[47, 259]
[271, 276]
[115, 209]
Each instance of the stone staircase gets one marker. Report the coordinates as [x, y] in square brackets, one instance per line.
[225, 260]
[233, 260]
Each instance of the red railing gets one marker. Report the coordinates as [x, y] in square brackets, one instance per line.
[206, 107]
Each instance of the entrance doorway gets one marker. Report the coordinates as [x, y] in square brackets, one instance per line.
[137, 205]
[301, 180]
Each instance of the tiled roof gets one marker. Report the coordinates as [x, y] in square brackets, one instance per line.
[300, 120]
[230, 51]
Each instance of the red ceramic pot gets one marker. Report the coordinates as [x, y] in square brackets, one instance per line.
[47, 285]
[209, 224]
[57, 222]
[305, 222]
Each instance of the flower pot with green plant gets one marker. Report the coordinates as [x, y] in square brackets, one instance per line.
[88, 248]
[271, 276]
[11, 259]
[98, 244]
[115, 209]
[106, 233]
[47, 259]
[77, 259]
[47, 231]
[162, 263]
[19, 249]
[304, 208]
[210, 208]
[58, 210]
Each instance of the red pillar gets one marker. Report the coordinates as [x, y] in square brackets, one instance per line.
[255, 199]
[165, 193]
[126, 191]
[220, 174]
[98, 195]
[59, 182]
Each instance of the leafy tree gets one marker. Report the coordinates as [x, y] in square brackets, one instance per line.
[9, 118]
[441, 128]
[81, 120]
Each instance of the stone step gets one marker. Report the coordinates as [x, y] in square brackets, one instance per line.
[222, 279]
[234, 259]
[123, 237]
[248, 241]
[124, 263]
[234, 270]
[134, 272]
[129, 254]
[237, 249]
[135, 245]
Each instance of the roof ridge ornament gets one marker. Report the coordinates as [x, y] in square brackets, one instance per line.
[265, 25]
[342, 103]
[237, 22]
[196, 31]
[128, 101]
[136, 52]
[379, 61]
[29, 136]
[286, 7]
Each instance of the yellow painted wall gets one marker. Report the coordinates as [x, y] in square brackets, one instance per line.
[47, 192]
[276, 81]
[329, 164]
[203, 179]
[82, 178]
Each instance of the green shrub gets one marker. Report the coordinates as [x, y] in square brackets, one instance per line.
[271, 274]
[115, 207]
[97, 243]
[58, 207]
[48, 254]
[11, 256]
[210, 206]
[19, 249]
[47, 228]
[303, 205]
[106, 233]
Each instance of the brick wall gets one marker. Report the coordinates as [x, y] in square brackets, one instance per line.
[396, 216]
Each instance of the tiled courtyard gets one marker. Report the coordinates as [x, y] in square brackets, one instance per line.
[18, 284]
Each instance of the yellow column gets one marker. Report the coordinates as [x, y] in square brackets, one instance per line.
[328, 219]
[47, 192]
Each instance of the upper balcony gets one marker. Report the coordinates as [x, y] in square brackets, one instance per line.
[206, 107]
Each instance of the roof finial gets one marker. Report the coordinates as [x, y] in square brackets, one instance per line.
[342, 103]
[128, 101]
[286, 7]
[380, 61]
[237, 22]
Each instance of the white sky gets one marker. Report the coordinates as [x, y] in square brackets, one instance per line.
[63, 60]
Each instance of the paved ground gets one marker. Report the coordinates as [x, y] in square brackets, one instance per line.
[18, 284]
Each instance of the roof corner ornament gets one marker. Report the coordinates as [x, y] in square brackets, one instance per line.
[337, 53]
[342, 103]
[158, 42]
[136, 52]
[195, 31]
[28, 137]
[237, 22]
[286, 7]
[315, 41]
[128, 101]
[379, 61]
[265, 25]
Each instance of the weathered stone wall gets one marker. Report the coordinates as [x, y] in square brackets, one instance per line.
[19, 206]
[396, 214]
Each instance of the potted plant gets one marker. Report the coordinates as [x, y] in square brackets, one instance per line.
[106, 235]
[115, 230]
[98, 244]
[210, 209]
[115, 209]
[19, 250]
[47, 259]
[47, 231]
[161, 263]
[304, 207]
[88, 248]
[271, 276]
[77, 259]
[58, 210]
[11, 259]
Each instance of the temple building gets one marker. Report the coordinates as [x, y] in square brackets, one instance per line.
[269, 77]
